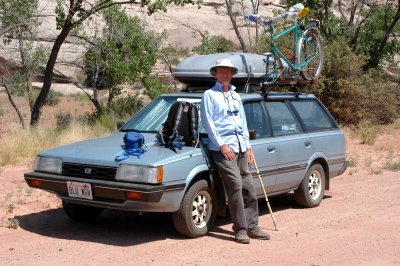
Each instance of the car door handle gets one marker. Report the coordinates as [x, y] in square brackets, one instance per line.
[307, 144]
[271, 148]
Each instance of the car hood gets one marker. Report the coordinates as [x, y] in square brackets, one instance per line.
[103, 150]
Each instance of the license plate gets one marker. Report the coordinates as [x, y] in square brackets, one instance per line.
[79, 190]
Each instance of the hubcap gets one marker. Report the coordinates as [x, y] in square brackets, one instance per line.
[314, 185]
[201, 209]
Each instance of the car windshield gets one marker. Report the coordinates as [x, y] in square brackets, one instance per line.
[151, 118]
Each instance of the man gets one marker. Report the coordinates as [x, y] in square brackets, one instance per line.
[224, 120]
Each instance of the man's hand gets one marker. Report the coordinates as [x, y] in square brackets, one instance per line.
[250, 156]
[227, 152]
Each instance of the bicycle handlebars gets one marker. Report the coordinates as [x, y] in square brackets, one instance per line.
[296, 11]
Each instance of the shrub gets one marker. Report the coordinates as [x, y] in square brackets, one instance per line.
[211, 44]
[125, 107]
[121, 109]
[368, 133]
[1, 112]
[64, 120]
[392, 166]
[155, 87]
[396, 124]
[352, 95]
[52, 99]
[13, 223]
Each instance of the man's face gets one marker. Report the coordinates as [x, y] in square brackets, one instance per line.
[223, 75]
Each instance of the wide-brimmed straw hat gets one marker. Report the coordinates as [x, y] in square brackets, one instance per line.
[223, 63]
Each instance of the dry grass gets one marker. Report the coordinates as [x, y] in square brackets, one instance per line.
[368, 134]
[396, 124]
[21, 146]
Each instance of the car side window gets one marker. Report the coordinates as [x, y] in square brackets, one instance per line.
[313, 115]
[256, 119]
[282, 119]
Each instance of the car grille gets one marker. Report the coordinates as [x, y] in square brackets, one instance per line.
[89, 171]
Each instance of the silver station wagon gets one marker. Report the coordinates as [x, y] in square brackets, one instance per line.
[296, 142]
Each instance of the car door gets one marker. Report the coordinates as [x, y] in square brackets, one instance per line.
[293, 145]
[264, 153]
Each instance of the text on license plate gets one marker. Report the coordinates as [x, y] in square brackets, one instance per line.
[79, 190]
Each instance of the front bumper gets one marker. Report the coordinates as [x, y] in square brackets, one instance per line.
[112, 194]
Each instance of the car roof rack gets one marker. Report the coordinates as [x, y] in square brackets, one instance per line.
[293, 85]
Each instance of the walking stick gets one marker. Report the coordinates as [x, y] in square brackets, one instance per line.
[265, 194]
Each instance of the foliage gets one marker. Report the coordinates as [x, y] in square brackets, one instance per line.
[17, 17]
[72, 15]
[13, 223]
[52, 100]
[367, 27]
[175, 53]
[373, 33]
[392, 166]
[171, 56]
[155, 87]
[125, 52]
[63, 120]
[352, 95]
[125, 107]
[213, 44]
[368, 132]
[121, 109]
[60, 14]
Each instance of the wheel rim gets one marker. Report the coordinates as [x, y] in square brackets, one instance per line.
[314, 185]
[201, 209]
[311, 46]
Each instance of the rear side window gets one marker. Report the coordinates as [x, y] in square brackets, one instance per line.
[313, 115]
[282, 119]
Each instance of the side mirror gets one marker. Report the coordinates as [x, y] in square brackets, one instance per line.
[120, 124]
[252, 134]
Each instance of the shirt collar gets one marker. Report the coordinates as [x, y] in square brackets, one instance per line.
[219, 86]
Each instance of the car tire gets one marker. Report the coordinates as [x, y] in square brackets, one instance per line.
[197, 212]
[311, 190]
[81, 213]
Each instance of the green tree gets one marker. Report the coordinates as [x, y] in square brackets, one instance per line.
[378, 37]
[19, 21]
[70, 15]
[123, 53]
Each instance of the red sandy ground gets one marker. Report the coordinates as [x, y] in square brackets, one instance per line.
[357, 223]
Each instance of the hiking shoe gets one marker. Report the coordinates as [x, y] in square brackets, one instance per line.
[242, 237]
[258, 233]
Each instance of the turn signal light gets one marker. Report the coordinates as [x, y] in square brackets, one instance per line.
[160, 174]
[36, 183]
[133, 195]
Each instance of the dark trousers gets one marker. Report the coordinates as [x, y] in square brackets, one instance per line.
[242, 198]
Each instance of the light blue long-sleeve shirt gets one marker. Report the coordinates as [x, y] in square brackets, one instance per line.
[224, 120]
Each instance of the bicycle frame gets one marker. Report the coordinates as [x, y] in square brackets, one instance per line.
[277, 54]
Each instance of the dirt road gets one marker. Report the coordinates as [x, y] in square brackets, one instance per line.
[358, 222]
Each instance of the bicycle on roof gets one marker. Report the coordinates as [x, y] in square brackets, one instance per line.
[308, 51]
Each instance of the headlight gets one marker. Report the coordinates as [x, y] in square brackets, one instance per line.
[142, 174]
[48, 164]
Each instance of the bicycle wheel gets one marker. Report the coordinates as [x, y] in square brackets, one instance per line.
[310, 54]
